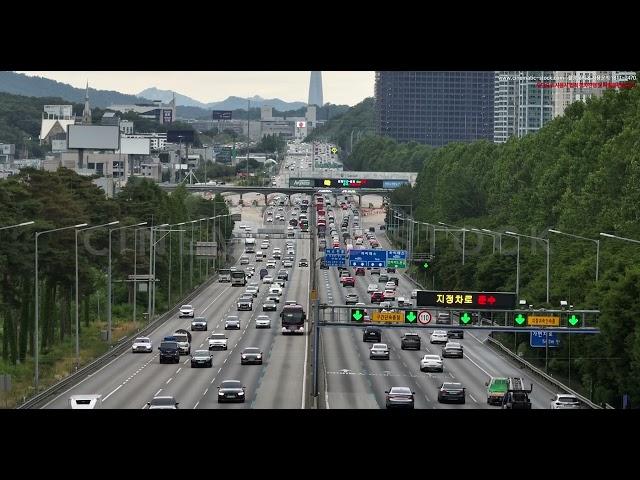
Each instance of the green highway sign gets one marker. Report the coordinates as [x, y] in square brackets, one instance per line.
[425, 265]
[574, 320]
[465, 318]
[410, 316]
[356, 315]
[520, 320]
[396, 264]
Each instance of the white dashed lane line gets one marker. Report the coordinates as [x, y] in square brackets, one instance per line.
[196, 405]
[114, 391]
[471, 397]
[169, 381]
[178, 371]
[157, 393]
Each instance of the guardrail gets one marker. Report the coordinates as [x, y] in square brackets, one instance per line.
[540, 373]
[117, 349]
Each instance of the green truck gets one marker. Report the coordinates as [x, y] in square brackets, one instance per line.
[496, 390]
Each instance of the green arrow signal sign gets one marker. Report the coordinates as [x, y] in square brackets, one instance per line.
[356, 315]
[425, 265]
[410, 316]
[465, 318]
[574, 320]
[520, 319]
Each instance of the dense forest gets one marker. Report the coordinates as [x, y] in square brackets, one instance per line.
[580, 174]
[62, 199]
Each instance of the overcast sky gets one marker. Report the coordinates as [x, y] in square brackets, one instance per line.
[338, 87]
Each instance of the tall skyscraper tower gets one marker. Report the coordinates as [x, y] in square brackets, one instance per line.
[315, 89]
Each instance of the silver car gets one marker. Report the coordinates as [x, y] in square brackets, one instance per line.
[563, 401]
[379, 350]
[232, 323]
[263, 321]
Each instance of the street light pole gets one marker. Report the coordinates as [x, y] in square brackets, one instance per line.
[109, 296]
[37, 312]
[546, 241]
[78, 290]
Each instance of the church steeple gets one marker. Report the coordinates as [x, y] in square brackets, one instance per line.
[86, 113]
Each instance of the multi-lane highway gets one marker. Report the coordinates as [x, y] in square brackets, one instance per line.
[350, 378]
[353, 380]
[131, 380]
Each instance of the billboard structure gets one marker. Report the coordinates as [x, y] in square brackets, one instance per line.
[135, 146]
[180, 136]
[93, 137]
[222, 114]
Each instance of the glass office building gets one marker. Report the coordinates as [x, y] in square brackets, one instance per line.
[434, 108]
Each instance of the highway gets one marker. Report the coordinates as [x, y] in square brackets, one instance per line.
[355, 381]
[131, 380]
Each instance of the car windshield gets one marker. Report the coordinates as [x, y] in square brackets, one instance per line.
[431, 357]
[401, 390]
[163, 401]
[232, 319]
[143, 340]
[201, 353]
[568, 399]
[452, 386]
[453, 345]
[231, 384]
[186, 307]
[217, 336]
[170, 345]
[251, 350]
[199, 319]
[379, 345]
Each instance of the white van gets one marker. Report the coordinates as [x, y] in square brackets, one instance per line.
[85, 402]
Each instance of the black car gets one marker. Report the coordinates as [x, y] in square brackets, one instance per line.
[401, 397]
[231, 391]
[391, 270]
[372, 334]
[199, 323]
[169, 351]
[303, 262]
[455, 334]
[393, 279]
[410, 340]
[452, 349]
[251, 355]
[283, 274]
[202, 358]
[245, 302]
[451, 392]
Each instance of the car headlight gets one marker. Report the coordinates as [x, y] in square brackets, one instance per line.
[220, 393]
[240, 393]
[244, 357]
[258, 356]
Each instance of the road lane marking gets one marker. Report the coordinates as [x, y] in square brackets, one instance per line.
[157, 393]
[114, 391]
[205, 392]
[168, 381]
[196, 405]
[471, 360]
[185, 362]
[178, 371]
[471, 397]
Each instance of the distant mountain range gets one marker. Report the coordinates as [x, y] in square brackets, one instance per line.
[21, 84]
[231, 103]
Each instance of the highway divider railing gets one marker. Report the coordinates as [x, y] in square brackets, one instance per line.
[540, 373]
[117, 349]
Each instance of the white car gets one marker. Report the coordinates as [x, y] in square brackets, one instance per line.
[264, 245]
[291, 251]
[562, 401]
[439, 336]
[186, 311]
[263, 321]
[431, 362]
[372, 287]
[287, 264]
[390, 286]
[270, 219]
[275, 290]
[142, 344]
[253, 290]
[379, 350]
[389, 294]
[217, 341]
[402, 302]
[267, 279]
